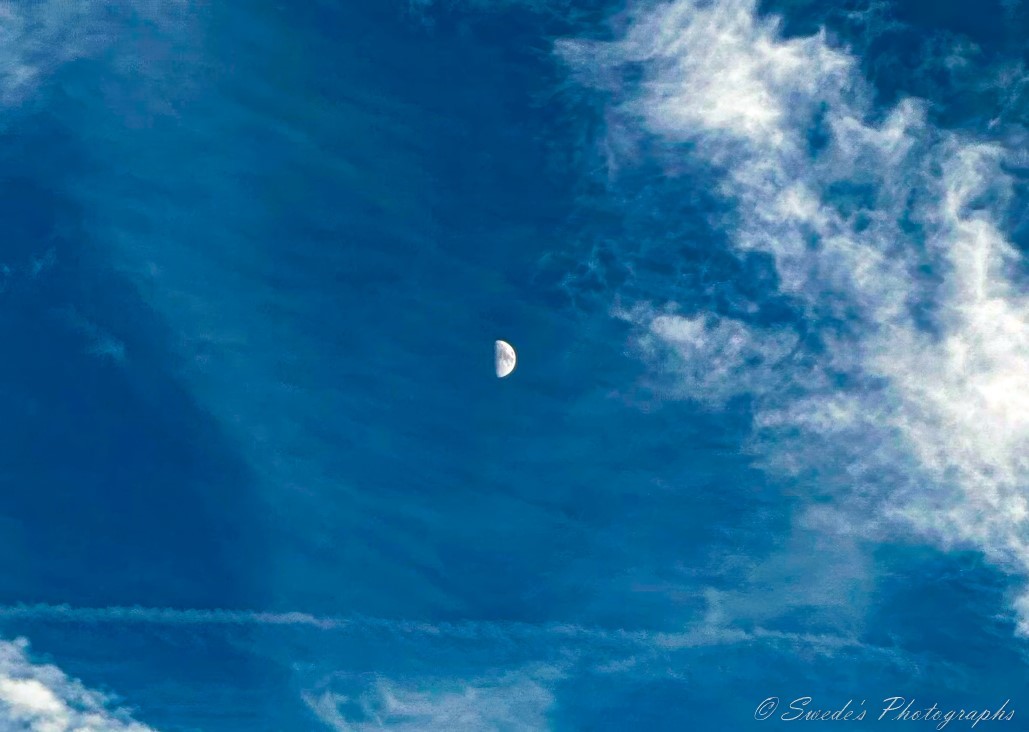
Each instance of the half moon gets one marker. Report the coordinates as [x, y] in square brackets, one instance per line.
[504, 358]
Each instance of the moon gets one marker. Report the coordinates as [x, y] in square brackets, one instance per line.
[504, 358]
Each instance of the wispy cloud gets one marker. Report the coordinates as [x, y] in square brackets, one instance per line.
[713, 358]
[100, 342]
[41, 698]
[909, 393]
[518, 696]
[511, 701]
[491, 674]
[37, 38]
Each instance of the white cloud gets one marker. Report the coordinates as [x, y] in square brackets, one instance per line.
[965, 394]
[914, 397]
[758, 81]
[41, 698]
[714, 359]
[512, 701]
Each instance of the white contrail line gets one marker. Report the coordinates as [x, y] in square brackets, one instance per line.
[162, 616]
[220, 616]
[698, 635]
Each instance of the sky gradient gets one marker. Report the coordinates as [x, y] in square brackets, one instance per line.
[764, 265]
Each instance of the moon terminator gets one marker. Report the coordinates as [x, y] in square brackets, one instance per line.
[504, 358]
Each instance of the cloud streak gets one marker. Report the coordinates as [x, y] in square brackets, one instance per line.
[709, 632]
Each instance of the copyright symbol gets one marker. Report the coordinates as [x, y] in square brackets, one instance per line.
[766, 708]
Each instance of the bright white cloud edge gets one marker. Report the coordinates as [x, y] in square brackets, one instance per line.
[37, 697]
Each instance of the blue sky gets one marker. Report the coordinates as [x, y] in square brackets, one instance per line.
[764, 266]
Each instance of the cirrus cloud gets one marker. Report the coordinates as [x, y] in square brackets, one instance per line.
[907, 391]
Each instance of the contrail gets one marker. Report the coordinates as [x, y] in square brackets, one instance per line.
[469, 629]
[698, 635]
[164, 616]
